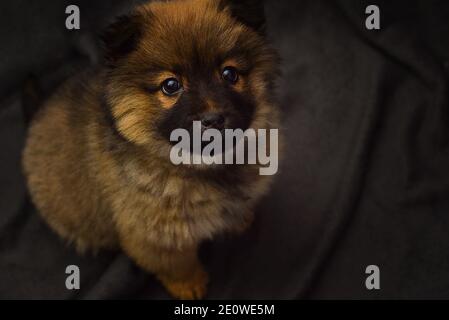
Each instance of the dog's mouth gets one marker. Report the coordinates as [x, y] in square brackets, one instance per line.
[210, 143]
[207, 145]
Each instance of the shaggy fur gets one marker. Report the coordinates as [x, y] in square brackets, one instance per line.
[97, 155]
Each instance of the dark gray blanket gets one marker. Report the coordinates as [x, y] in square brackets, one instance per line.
[364, 180]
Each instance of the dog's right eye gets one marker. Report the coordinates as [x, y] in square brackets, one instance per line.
[171, 86]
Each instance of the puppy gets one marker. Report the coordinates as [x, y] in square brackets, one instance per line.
[97, 154]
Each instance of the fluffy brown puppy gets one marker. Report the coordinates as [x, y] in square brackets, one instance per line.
[97, 154]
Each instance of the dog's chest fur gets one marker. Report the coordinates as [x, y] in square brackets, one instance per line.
[174, 209]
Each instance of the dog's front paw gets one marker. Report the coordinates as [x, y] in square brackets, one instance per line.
[194, 287]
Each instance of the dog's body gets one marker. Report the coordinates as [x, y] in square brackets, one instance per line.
[97, 159]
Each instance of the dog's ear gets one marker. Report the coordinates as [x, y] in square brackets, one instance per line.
[121, 37]
[249, 12]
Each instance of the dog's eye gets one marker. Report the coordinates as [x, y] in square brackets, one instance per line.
[230, 74]
[171, 86]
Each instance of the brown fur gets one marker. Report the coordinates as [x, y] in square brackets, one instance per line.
[102, 178]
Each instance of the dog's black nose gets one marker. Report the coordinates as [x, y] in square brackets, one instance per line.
[213, 120]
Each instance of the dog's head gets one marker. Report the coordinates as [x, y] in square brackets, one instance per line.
[173, 62]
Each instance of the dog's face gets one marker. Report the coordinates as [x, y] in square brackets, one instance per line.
[174, 62]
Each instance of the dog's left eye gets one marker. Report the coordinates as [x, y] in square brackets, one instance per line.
[230, 74]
